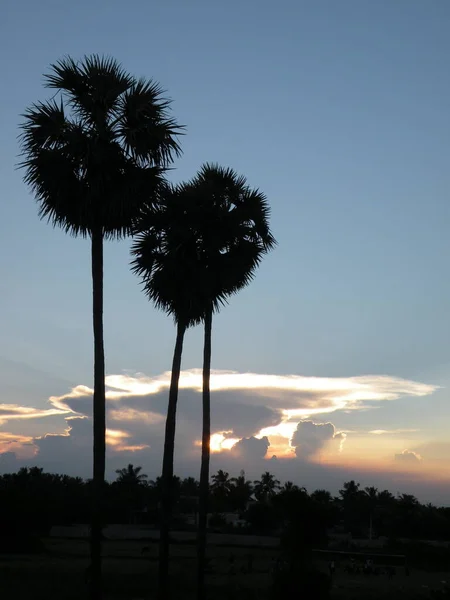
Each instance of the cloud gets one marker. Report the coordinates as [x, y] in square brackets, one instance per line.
[392, 431]
[254, 416]
[408, 456]
[120, 441]
[311, 437]
[22, 445]
[250, 449]
[10, 412]
[243, 404]
[286, 392]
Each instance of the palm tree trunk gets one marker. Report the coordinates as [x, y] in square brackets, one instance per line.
[167, 468]
[99, 416]
[204, 469]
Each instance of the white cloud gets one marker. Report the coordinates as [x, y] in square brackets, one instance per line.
[10, 412]
[303, 395]
[392, 431]
[244, 404]
[251, 413]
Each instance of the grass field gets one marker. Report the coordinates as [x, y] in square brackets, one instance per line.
[59, 572]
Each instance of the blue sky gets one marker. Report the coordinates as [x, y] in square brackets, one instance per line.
[338, 111]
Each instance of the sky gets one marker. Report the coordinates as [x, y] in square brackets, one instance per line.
[336, 359]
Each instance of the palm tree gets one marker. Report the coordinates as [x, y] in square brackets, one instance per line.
[92, 158]
[386, 498]
[189, 487]
[350, 491]
[189, 496]
[131, 485]
[131, 476]
[322, 497]
[221, 481]
[371, 498]
[228, 222]
[266, 487]
[241, 492]
[288, 487]
[167, 265]
[200, 245]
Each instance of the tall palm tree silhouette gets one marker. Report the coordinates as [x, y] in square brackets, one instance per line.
[231, 225]
[197, 247]
[93, 155]
[165, 257]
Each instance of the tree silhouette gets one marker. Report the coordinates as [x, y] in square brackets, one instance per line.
[322, 497]
[189, 495]
[240, 492]
[349, 491]
[371, 494]
[266, 487]
[289, 486]
[221, 481]
[302, 519]
[93, 156]
[226, 229]
[131, 484]
[189, 487]
[167, 263]
[200, 245]
[131, 476]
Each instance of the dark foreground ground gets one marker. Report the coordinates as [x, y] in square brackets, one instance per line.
[130, 574]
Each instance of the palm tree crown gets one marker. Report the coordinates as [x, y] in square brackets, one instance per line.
[131, 475]
[96, 153]
[163, 260]
[221, 481]
[202, 242]
[267, 486]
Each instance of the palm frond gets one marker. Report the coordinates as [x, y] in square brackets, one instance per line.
[144, 125]
[57, 195]
[92, 86]
[45, 126]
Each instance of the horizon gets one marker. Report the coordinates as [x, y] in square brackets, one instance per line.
[335, 359]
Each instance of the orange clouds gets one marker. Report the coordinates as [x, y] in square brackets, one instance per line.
[254, 416]
[118, 441]
[21, 445]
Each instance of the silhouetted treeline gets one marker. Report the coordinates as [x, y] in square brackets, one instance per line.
[34, 500]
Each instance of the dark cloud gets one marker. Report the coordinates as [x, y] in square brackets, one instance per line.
[250, 449]
[135, 422]
[227, 412]
[310, 437]
[407, 456]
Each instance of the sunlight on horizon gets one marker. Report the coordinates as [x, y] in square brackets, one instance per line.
[296, 398]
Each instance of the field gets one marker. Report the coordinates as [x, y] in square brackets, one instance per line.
[130, 572]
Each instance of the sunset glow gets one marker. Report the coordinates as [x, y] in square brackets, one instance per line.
[305, 408]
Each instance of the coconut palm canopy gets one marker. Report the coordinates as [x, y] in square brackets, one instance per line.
[131, 475]
[98, 149]
[202, 242]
